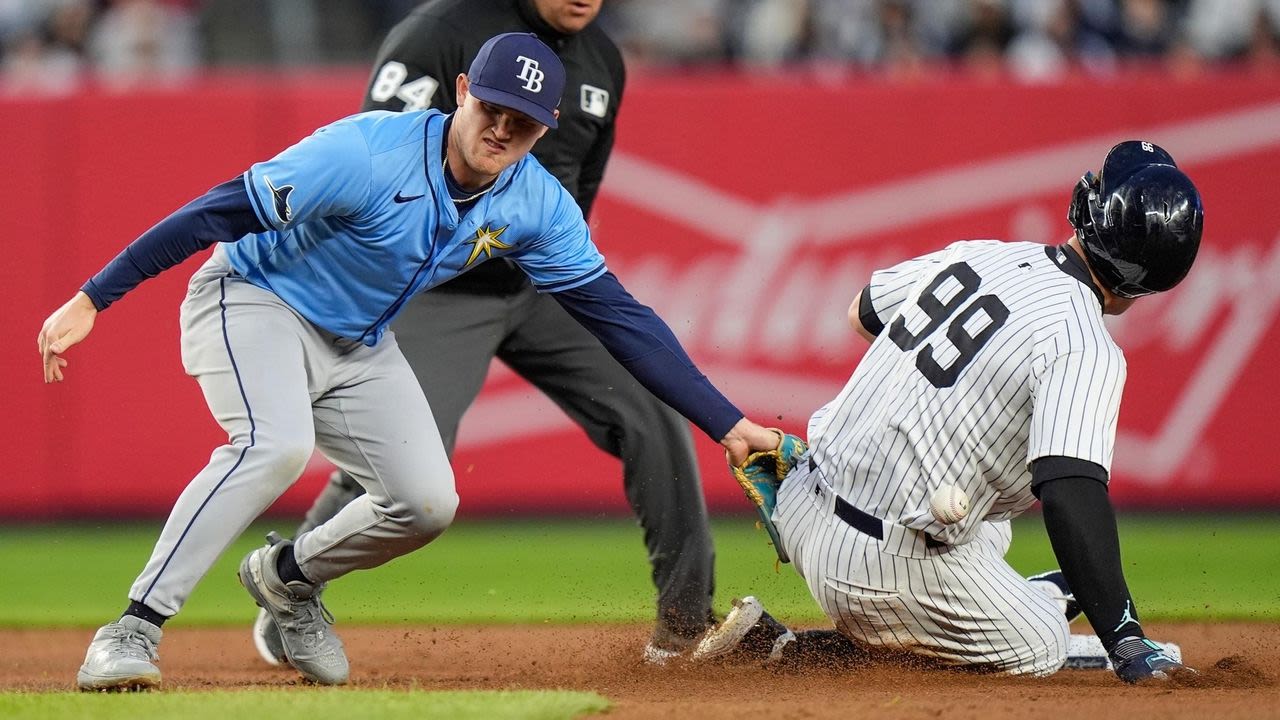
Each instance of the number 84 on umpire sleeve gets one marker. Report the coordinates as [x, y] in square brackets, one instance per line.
[955, 310]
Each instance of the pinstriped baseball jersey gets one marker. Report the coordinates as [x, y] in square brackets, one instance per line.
[992, 355]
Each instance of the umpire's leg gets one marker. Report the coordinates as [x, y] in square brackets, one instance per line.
[551, 350]
[449, 338]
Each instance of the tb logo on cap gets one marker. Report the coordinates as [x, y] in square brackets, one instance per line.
[530, 74]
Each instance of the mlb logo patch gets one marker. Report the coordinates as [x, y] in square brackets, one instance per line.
[595, 101]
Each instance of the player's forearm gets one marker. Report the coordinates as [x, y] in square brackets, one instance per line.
[674, 380]
[224, 214]
[1082, 529]
[644, 345]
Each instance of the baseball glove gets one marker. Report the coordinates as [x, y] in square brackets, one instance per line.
[762, 473]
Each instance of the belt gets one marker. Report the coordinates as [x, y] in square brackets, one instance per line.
[867, 523]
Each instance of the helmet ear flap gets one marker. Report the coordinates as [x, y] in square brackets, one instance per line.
[1078, 213]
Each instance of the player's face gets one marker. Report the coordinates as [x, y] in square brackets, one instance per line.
[488, 138]
[568, 16]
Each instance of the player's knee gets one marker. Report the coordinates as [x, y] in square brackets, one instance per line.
[286, 458]
[1057, 638]
[426, 515]
[1046, 656]
[1056, 650]
[435, 514]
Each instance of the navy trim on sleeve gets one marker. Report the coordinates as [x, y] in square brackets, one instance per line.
[260, 211]
[224, 214]
[557, 286]
[867, 313]
[1052, 467]
[644, 345]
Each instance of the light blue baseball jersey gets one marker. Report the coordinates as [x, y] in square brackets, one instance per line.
[360, 220]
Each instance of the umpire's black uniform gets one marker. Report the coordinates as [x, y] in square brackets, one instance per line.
[450, 334]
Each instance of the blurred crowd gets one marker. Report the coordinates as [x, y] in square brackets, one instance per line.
[52, 46]
[1030, 39]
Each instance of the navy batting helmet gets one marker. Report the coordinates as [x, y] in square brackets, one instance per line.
[1139, 220]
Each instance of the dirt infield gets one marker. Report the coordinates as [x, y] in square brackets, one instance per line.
[1240, 664]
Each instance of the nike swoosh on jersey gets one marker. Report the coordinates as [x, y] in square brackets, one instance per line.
[405, 198]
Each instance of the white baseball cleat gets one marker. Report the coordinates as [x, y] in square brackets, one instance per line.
[748, 633]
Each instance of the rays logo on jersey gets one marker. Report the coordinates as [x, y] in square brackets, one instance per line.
[280, 195]
[594, 101]
[486, 241]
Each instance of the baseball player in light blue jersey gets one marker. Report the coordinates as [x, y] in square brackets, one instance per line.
[285, 329]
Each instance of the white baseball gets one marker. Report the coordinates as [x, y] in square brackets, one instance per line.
[949, 504]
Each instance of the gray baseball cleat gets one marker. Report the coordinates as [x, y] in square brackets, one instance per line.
[303, 622]
[748, 634]
[266, 636]
[122, 656]
[266, 640]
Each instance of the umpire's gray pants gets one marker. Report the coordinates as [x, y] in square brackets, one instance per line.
[280, 387]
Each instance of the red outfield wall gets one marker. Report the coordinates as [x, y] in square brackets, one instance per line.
[719, 185]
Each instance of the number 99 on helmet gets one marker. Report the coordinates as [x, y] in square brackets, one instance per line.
[1139, 220]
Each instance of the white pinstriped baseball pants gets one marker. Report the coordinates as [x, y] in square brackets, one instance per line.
[962, 605]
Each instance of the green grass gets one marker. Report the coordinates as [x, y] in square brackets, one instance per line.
[314, 703]
[561, 571]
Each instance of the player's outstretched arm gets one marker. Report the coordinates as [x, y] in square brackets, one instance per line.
[67, 326]
[644, 345]
[223, 214]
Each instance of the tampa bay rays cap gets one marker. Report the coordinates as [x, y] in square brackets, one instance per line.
[518, 71]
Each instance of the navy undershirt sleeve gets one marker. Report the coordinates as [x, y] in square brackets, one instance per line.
[224, 214]
[1081, 525]
[644, 345]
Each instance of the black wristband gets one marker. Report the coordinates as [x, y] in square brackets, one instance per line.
[867, 313]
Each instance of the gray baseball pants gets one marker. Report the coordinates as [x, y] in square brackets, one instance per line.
[280, 387]
[450, 336]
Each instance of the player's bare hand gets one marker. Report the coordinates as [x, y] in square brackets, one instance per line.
[67, 326]
[747, 437]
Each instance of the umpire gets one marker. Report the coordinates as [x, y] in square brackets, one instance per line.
[449, 335]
